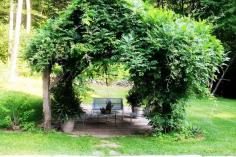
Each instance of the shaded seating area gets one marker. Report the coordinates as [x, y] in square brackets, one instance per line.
[119, 121]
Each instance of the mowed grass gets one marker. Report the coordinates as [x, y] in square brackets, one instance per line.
[215, 117]
[22, 143]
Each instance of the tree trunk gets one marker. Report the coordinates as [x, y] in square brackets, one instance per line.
[46, 99]
[223, 75]
[11, 28]
[17, 40]
[28, 21]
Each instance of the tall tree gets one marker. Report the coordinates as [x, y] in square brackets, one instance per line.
[28, 21]
[14, 54]
[11, 28]
[46, 99]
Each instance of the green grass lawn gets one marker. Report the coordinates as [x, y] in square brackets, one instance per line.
[216, 118]
[45, 143]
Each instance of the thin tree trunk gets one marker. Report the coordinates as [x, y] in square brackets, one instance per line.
[220, 80]
[17, 40]
[223, 75]
[46, 99]
[11, 28]
[28, 21]
[162, 4]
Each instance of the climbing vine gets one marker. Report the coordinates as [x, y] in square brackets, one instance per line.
[167, 55]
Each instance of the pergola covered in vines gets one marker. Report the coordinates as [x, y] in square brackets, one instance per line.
[168, 56]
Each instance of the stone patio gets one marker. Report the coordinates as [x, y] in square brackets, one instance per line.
[106, 127]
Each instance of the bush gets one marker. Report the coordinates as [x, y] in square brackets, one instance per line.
[189, 131]
[65, 103]
[18, 109]
[170, 57]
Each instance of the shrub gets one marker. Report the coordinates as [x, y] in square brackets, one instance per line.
[169, 57]
[65, 103]
[17, 109]
[189, 131]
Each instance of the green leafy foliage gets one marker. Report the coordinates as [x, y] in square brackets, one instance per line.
[222, 15]
[87, 33]
[19, 109]
[168, 56]
[66, 104]
[174, 57]
[3, 43]
[4, 9]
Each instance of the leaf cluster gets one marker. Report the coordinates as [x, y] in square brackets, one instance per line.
[170, 57]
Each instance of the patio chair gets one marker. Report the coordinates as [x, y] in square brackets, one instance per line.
[117, 107]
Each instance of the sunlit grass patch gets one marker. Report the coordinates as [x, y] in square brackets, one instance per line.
[22, 143]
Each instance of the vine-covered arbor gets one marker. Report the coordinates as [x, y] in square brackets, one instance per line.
[168, 56]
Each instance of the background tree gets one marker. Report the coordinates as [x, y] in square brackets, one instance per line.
[15, 51]
[4, 5]
[222, 14]
[11, 27]
[34, 14]
[3, 43]
[28, 21]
